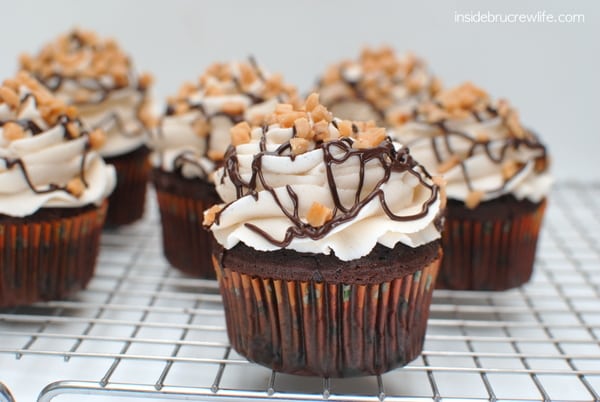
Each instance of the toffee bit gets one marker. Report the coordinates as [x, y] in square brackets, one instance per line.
[287, 120]
[344, 128]
[76, 187]
[370, 138]
[210, 215]
[73, 129]
[97, 138]
[541, 164]
[448, 164]
[441, 183]
[311, 102]
[215, 155]
[233, 108]
[318, 215]
[320, 113]
[145, 81]
[201, 127]
[474, 199]
[240, 134]
[299, 145]
[509, 169]
[9, 96]
[302, 128]
[12, 131]
[321, 131]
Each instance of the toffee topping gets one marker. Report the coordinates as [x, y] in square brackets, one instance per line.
[336, 151]
[97, 68]
[376, 73]
[222, 79]
[53, 112]
[470, 102]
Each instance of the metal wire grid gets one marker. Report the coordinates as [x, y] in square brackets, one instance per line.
[152, 332]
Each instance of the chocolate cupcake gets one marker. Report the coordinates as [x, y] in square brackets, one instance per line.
[95, 75]
[190, 142]
[53, 189]
[379, 86]
[497, 183]
[327, 246]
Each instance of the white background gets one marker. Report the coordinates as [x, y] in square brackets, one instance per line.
[549, 71]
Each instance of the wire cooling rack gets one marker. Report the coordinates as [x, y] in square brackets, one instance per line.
[141, 329]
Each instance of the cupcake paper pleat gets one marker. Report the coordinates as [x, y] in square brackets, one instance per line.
[332, 330]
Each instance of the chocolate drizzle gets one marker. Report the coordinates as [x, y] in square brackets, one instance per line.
[91, 81]
[511, 142]
[381, 73]
[198, 106]
[101, 94]
[187, 158]
[335, 152]
[11, 163]
[359, 96]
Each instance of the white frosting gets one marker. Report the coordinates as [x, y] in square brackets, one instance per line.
[342, 100]
[485, 175]
[175, 134]
[175, 138]
[343, 103]
[49, 159]
[116, 116]
[306, 176]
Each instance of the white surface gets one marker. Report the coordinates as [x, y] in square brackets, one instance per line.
[549, 71]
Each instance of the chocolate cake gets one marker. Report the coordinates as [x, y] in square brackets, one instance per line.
[182, 203]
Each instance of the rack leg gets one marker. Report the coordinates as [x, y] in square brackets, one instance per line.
[5, 393]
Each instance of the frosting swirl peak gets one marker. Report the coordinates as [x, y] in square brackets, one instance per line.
[313, 183]
[379, 85]
[478, 144]
[193, 134]
[95, 75]
[47, 157]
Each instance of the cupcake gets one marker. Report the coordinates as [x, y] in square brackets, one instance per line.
[95, 75]
[497, 183]
[379, 86]
[190, 142]
[53, 190]
[327, 245]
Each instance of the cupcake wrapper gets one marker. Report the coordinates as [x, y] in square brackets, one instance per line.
[186, 244]
[126, 203]
[331, 330]
[489, 255]
[48, 260]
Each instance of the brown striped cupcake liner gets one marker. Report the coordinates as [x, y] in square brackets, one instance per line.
[186, 244]
[496, 253]
[127, 201]
[327, 329]
[50, 258]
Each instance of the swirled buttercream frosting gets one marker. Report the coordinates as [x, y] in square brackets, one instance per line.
[313, 183]
[47, 156]
[380, 85]
[479, 146]
[97, 77]
[193, 134]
